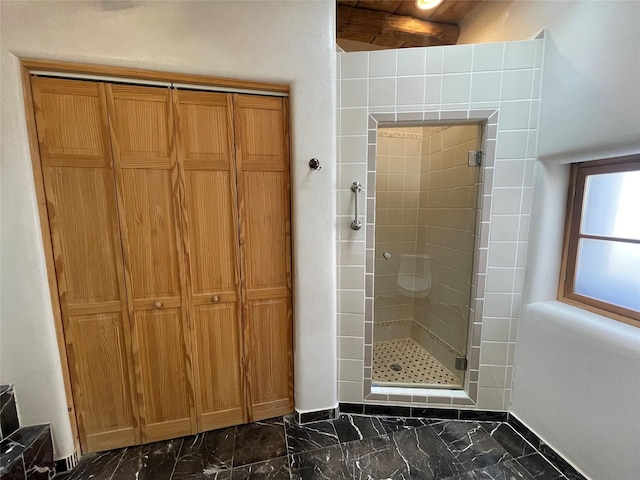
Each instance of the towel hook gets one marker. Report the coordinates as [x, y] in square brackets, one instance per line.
[314, 164]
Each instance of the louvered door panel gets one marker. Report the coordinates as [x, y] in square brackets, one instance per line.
[147, 181]
[205, 155]
[79, 184]
[265, 239]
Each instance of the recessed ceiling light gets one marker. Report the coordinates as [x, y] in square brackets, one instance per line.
[427, 4]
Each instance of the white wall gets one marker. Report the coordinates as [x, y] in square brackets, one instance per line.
[590, 87]
[576, 385]
[576, 380]
[275, 41]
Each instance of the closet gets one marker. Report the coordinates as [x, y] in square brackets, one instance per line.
[169, 213]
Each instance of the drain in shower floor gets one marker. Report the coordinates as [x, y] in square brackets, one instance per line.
[405, 361]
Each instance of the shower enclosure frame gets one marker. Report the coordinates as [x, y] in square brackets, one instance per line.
[488, 121]
[457, 365]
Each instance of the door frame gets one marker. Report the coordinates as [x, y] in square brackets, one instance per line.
[82, 70]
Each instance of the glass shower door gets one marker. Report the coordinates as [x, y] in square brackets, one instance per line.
[426, 210]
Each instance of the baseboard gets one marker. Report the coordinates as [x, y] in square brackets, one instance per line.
[422, 412]
[554, 457]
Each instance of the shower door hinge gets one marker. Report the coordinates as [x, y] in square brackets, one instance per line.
[461, 363]
[475, 158]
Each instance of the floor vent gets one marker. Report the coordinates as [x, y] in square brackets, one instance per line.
[67, 463]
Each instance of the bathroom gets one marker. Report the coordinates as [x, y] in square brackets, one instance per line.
[587, 82]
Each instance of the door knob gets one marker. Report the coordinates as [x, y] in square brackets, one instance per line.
[157, 304]
[215, 299]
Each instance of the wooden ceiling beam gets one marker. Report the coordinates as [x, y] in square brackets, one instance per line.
[389, 6]
[356, 22]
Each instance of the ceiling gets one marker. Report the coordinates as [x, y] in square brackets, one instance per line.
[379, 24]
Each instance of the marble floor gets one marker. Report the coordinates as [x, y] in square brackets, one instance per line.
[404, 362]
[349, 447]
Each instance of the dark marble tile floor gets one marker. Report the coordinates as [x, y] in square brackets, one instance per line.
[27, 454]
[8, 413]
[349, 447]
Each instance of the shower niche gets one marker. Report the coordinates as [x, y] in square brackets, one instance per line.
[426, 220]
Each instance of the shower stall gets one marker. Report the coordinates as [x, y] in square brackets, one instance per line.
[427, 185]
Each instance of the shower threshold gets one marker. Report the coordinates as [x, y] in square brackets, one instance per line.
[404, 363]
[429, 386]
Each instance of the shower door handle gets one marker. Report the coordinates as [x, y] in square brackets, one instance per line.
[356, 187]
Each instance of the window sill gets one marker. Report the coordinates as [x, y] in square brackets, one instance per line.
[580, 319]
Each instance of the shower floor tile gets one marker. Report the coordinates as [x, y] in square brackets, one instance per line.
[405, 361]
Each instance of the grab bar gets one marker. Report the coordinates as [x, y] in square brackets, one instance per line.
[355, 188]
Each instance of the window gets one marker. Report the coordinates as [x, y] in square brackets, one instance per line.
[601, 254]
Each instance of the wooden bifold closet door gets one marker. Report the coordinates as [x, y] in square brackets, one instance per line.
[170, 222]
[206, 154]
[263, 186]
[148, 205]
[75, 151]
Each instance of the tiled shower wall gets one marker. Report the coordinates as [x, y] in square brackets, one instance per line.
[446, 232]
[397, 202]
[499, 83]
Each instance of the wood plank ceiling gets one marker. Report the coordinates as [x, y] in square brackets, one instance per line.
[379, 24]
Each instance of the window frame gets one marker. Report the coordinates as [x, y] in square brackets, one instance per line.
[566, 292]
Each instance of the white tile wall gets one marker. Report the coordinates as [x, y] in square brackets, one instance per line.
[353, 121]
[519, 55]
[411, 90]
[382, 91]
[456, 88]
[515, 115]
[356, 65]
[511, 144]
[383, 64]
[457, 60]
[516, 84]
[488, 57]
[486, 87]
[353, 92]
[434, 60]
[412, 61]
[353, 149]
[495, 330]
[508, 174]
[469, 81]
[433, 89]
